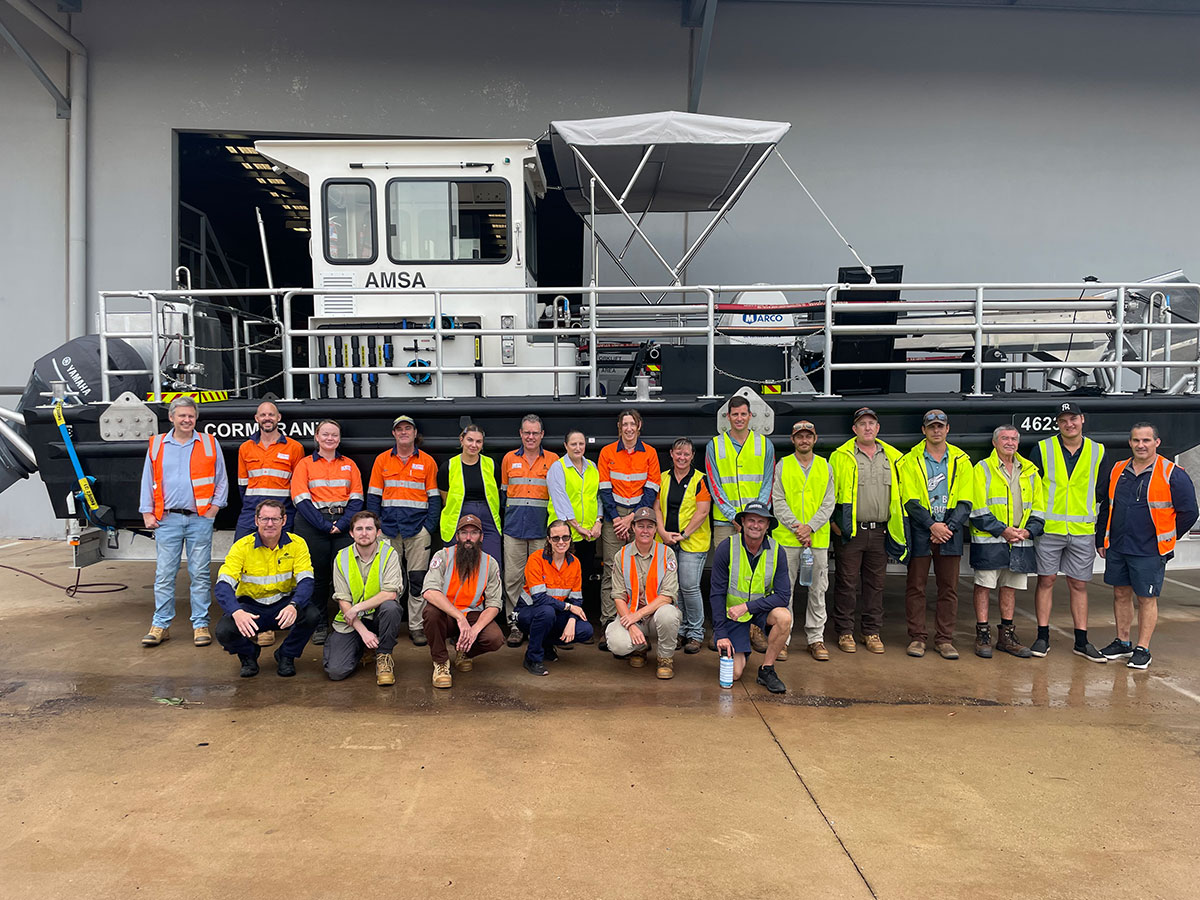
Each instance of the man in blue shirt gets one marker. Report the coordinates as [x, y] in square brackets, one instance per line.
[1150, 501]
[184, 486]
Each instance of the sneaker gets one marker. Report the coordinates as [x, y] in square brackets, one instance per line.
[201, 636]
[156, 636]
[515, 637]
[768, 679]
[1118, 649]
[418, 638]
[1040, 647]
[637, 660]
[265, 638]
[1139, 659]
[983, 642]
[286, 667]
[1089, 652]
[441, 675]
[1006, 640]
[782, 654]
[536, 668]
[758, 640]
[603, 645]
[666, 668]
[462, 662]
[946, 650]
[385, 669]
[846, 643]
[873, 643]
[249, 666]
[818, 652]
[319, 635]
[916, 648]
[551, 655]
[692, 646]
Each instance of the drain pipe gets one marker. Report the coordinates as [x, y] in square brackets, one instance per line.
[77, 165]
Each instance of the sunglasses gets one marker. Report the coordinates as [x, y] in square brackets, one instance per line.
[560, 538]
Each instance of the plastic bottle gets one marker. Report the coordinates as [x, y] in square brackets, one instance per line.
[806, 566]
[726, 672]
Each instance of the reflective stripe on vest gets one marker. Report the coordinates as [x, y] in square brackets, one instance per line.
[804, 495]
[361, 590]
[1158, 499]
[454, 498]
[1000, 504]
[466, 595]
[739, 472]
[584, 493]
[1071, 500]
[698, 540]
[202, 467]
[641, 595]
[746, 585]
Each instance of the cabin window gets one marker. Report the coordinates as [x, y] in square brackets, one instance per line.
[531, 261]
[437, 220]
[349, 208]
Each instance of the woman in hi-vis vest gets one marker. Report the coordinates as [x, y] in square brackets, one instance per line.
[468, 486]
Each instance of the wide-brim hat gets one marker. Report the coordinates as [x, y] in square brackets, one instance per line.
[757, 508]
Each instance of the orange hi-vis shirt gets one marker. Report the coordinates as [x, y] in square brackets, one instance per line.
[526, 494]
[628, 479]
[466, 594]
[542, 578]
[267, 471]
[327, 489]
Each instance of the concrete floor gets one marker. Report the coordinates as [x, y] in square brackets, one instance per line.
[875, 776]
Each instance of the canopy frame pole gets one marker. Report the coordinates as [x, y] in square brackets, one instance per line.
[621, 208]
[642, 218]
[637, 172]
[598, 241]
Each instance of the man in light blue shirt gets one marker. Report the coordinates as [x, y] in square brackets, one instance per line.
[184, 485]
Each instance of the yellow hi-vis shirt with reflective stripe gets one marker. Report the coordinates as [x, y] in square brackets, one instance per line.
[746, 585]
[454, 496]
[1070, 500]
[264, 575]
[804, 495]
[740, 473]
[361, 590]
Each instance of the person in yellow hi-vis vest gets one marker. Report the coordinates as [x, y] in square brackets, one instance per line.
[469, 488]
[682, 516]
[870, 525]
[1075, 474]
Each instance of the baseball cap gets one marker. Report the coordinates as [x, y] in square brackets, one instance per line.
[1068, 408]
[804, 425]
[401, 419]
[935, 415]
[864, 411]
[644, 514]
[466, 520]
[757, 508]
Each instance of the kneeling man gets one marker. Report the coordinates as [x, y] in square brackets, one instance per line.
[463, 596]
[750, 586]
[645, 587]
[265, 583]
[367, 580]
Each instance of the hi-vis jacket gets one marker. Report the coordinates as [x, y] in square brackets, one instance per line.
[914, 490]
[845, 512]
[993, 511]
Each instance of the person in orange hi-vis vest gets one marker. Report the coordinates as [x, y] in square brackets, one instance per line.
[184, 485]
[645, 591]
[550, 610]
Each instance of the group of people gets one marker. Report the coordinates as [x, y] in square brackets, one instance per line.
[318, 556]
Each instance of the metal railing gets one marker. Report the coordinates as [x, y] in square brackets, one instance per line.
[972, 304]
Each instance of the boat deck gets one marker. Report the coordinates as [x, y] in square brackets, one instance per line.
[161, 772]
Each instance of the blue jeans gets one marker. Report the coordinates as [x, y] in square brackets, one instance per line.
[544, 625]
[176, 533]
[691, 567]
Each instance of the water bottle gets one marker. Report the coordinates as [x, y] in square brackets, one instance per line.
[806, 566]
[725, 676]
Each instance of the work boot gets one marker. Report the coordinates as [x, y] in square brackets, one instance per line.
[441, 675]
[515, 637]
[712, 642]
[319, 635]
[692, 646]
[286, 667]
[385, 669]
[846, 643]
[916, 648]
[782, 654]
[666, 668]
[249, 666]
[156, 636]
[265, 638]
[758, 640]
[768, 679]
[983, 642]
[873, 643]
[462, 662]
[418, 638]
[947, 650]
[1006, 640]
[201, 636]
[637, 660]
[818, 652]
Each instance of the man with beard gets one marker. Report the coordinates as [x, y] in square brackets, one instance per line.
[463, 596]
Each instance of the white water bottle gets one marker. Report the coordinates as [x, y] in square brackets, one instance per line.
[806, 566]
[725, 676]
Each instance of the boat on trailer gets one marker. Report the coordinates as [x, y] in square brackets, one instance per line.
[427, 301]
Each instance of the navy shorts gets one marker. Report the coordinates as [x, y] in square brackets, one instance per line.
[1143, 573]
[739, 632]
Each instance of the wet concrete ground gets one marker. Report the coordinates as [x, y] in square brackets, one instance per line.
[875, 776]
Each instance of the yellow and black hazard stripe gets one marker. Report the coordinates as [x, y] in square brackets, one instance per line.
[198, 396]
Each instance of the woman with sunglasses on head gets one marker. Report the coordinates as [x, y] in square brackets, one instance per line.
[468, 486]
[549, 610]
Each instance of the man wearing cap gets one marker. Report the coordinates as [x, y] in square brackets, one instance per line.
[750, 585]
[1075, 476]
[403, 493]
[463, 595]
[645, 588]
[871, 526]
[937, 483]
[803, 496]
[525, 496]
[1006, 515]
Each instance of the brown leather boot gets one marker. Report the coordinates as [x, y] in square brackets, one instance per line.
[1006, 641]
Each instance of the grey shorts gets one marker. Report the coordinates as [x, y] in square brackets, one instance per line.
[1071, 554]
